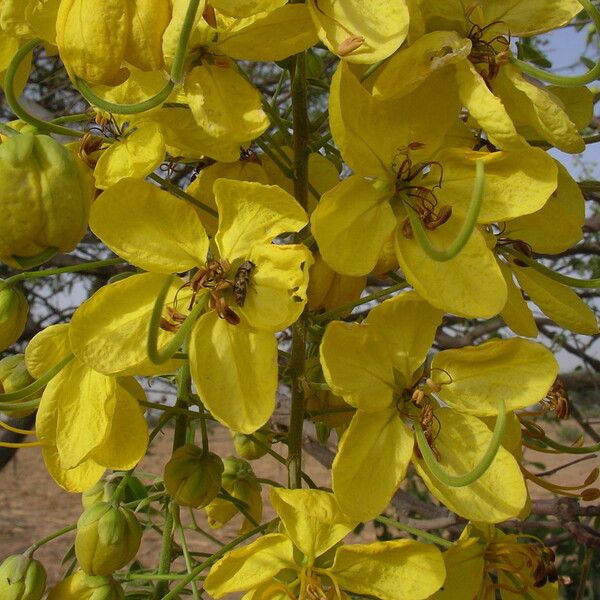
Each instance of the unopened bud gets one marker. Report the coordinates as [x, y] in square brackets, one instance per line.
[15, 376]
[80, 586]
[252, 447]
[193, 477]
[13, 315]
[108, 537]
[22, 578]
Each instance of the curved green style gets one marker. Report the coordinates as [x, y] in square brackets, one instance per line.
[468, 478]
[565, 80]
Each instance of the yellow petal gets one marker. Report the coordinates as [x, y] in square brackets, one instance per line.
[247, 567]
[245, 8]
[149, 227]
[516, 183]
[127, 440]
[475, 378]
[225, 104]
[109, 331]
[75, 412]
[486, 108]
[312, 519]
[371, 462]
[516, 313]
[47, 348]
[558, 224]
[499, 494]
[277, 292]
[557, 301]
[469, 284]
[136, 155]
[531, 105]
[465, 570]
[202, 187]
[251, 213]
[352, 223]
[357, 366]
[327, 289]
[184, 137]
[394, 570]
[79, 478]
[235, 372]
[531, 17]
[410, 67]
[577, 102]
[380, 26]
[148, 21]
[273, 35]
[407, 324]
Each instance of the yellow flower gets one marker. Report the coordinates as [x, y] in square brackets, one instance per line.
[377, 368]
[404, 164]
[87, 422]
[470, 42]
[252, 287]
[307, 560]
[485, 560]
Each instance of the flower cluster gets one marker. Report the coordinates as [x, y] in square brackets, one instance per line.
[404, 143]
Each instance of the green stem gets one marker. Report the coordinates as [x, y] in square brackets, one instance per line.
[97, 264]
[159, 357]
[484, 464]
[340, 310]
[166, 550]
[176, 74]
[176, 191]
[173, 410]
[564, 279]
[184, 547]
[565, 80]
[120, 489]
[36, 386]
[212, 560]
[414, 531]
[374, 67]
[13, 102]
[49, 538]
[466, 230]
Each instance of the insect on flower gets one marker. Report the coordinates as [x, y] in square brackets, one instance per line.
[241, 281]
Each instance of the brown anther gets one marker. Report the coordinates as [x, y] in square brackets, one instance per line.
[349, 45]
[557, 400]
[89, 145]
[433, 220]
[166, 325]
[209, 16]
[433, 386]
[418, 397]
[406, 229]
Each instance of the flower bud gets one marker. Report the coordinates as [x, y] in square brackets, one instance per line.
[45, 197]
[108, 537]
[22, 578]
[100, 492]
[192, 477]
[15, 376]
[95, 38]
[80, 586]
[238, 481]
[13, 315]
[247, 447]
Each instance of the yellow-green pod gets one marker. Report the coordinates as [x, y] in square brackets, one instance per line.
[192, 477]
[108, 537]
[22, 578]
[13, 315]
[45, 198]
[80, 586]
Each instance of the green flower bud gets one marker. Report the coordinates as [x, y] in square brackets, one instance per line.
[100, 492]
[192, 477]
[247, 448]
[22, 578]
[240, 482]
[108, 537]
[80, 586]
[13, 314]
[15, 376]
[45, 197]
